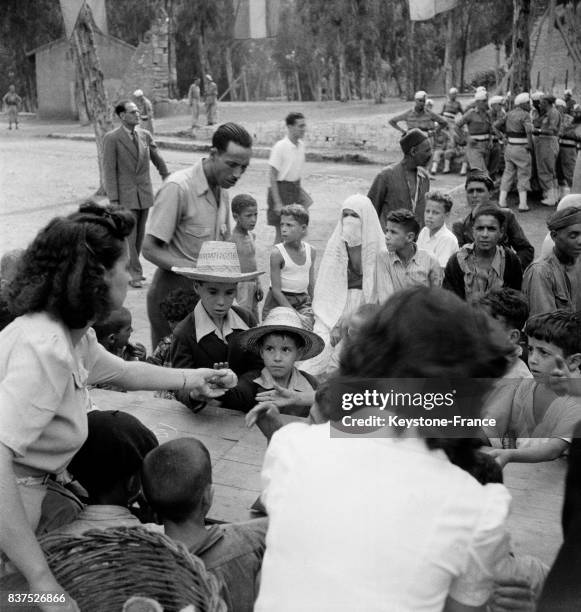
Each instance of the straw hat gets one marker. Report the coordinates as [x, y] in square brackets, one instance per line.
[282, 319]
[218, 263]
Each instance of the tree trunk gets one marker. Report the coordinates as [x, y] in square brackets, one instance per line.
[410, 72]
[204, 65]
[364, 88]
[342, 72]
[172, 85]
[298, 85]
[521, 52]
[449, 59]
[91, 76]
[548, 67]
[466, 32]
[230, 72]
[245, 85]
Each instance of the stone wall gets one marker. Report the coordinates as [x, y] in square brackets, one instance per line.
[148, 69]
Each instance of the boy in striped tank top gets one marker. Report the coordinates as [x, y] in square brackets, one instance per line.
[292, 267]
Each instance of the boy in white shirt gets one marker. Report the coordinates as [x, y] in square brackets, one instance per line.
[435, 237]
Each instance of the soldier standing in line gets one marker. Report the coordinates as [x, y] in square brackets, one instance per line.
[145, 108]
[480, 132]
[194, 101]
[495, 164]
[12, 102]
[211, 100]
[440, 140]
[568, 142]
[569, 101]
[418, 117]
[546, 126]
[517, 127]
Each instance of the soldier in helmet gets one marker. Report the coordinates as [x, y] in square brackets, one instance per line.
[517, 127]
[477, 120]
[418, 117]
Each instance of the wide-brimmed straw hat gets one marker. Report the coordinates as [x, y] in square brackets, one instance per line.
[283, 319]
[217, 263]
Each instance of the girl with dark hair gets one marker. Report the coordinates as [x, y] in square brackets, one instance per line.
[389, 523]
[73, 274]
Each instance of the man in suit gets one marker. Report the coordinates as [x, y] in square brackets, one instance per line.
[126, 155]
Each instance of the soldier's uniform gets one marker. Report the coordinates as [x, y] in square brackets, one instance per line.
[423, 120]
[194, 100]
[568, 142]
[517, 126]
[546, 151]
[211, 102]
[12, 102]
[496, 161]
[479, 126]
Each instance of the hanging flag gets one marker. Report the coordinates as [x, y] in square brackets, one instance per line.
[420, 10]
[71, 9]
[256, 18]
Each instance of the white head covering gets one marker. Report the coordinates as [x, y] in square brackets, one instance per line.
[138, 93]
[481, 95]
[209, 77]
[522, 98]
[453, 90]
[568, 92]
[331, 287]
[420, 95]
[537, 95]
[496, 100]
[560, 102]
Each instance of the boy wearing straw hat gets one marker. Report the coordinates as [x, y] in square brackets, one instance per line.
[210, 334]
[280, 341]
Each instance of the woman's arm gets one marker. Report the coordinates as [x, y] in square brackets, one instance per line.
[17, 540]
[203, 382]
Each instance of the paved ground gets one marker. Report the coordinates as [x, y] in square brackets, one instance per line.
[41, 177]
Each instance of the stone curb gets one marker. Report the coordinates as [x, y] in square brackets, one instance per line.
[317, 155]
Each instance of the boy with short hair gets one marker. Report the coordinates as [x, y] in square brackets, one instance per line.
[114, 333]
[404, 264]
[209, 334]
[542, 418]
[435, 237]
[245, 212]
[292, 267]
[177, 483]
[485, 264]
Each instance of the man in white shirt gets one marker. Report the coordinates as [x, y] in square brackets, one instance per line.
[286, 161]
[435, 237]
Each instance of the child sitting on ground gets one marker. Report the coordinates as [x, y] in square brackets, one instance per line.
[404, 264]
[280, 341]
[114, 333]
[292, 267]
[542, 417]
[245, 212]
[209, 335]
[177, 483]
[435, 237]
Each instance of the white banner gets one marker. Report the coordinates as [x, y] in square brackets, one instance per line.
[256, 18]
[420, 10]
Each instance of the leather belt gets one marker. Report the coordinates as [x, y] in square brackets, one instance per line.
[518, 141]
[566, 142]
[449, 115]
[480, 137]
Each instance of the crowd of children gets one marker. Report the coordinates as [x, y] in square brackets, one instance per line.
[388, 301]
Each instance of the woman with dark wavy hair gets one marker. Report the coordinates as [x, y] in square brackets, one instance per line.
[389, 522]
[73, 274]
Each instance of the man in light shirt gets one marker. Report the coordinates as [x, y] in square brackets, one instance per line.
[286, 161]
[435, 237]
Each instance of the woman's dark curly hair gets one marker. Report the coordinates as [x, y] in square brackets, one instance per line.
[62, 271]
[422, 333]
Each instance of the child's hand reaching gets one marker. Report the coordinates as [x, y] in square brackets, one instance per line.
[259, 411]
[501, 455]
[225, 378]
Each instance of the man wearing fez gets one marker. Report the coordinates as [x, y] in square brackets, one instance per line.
[550, 283]
[405, 184]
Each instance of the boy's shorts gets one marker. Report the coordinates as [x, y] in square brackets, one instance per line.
[301, 302]
[290, 192]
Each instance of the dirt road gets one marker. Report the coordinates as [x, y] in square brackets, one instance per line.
[41, 178]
